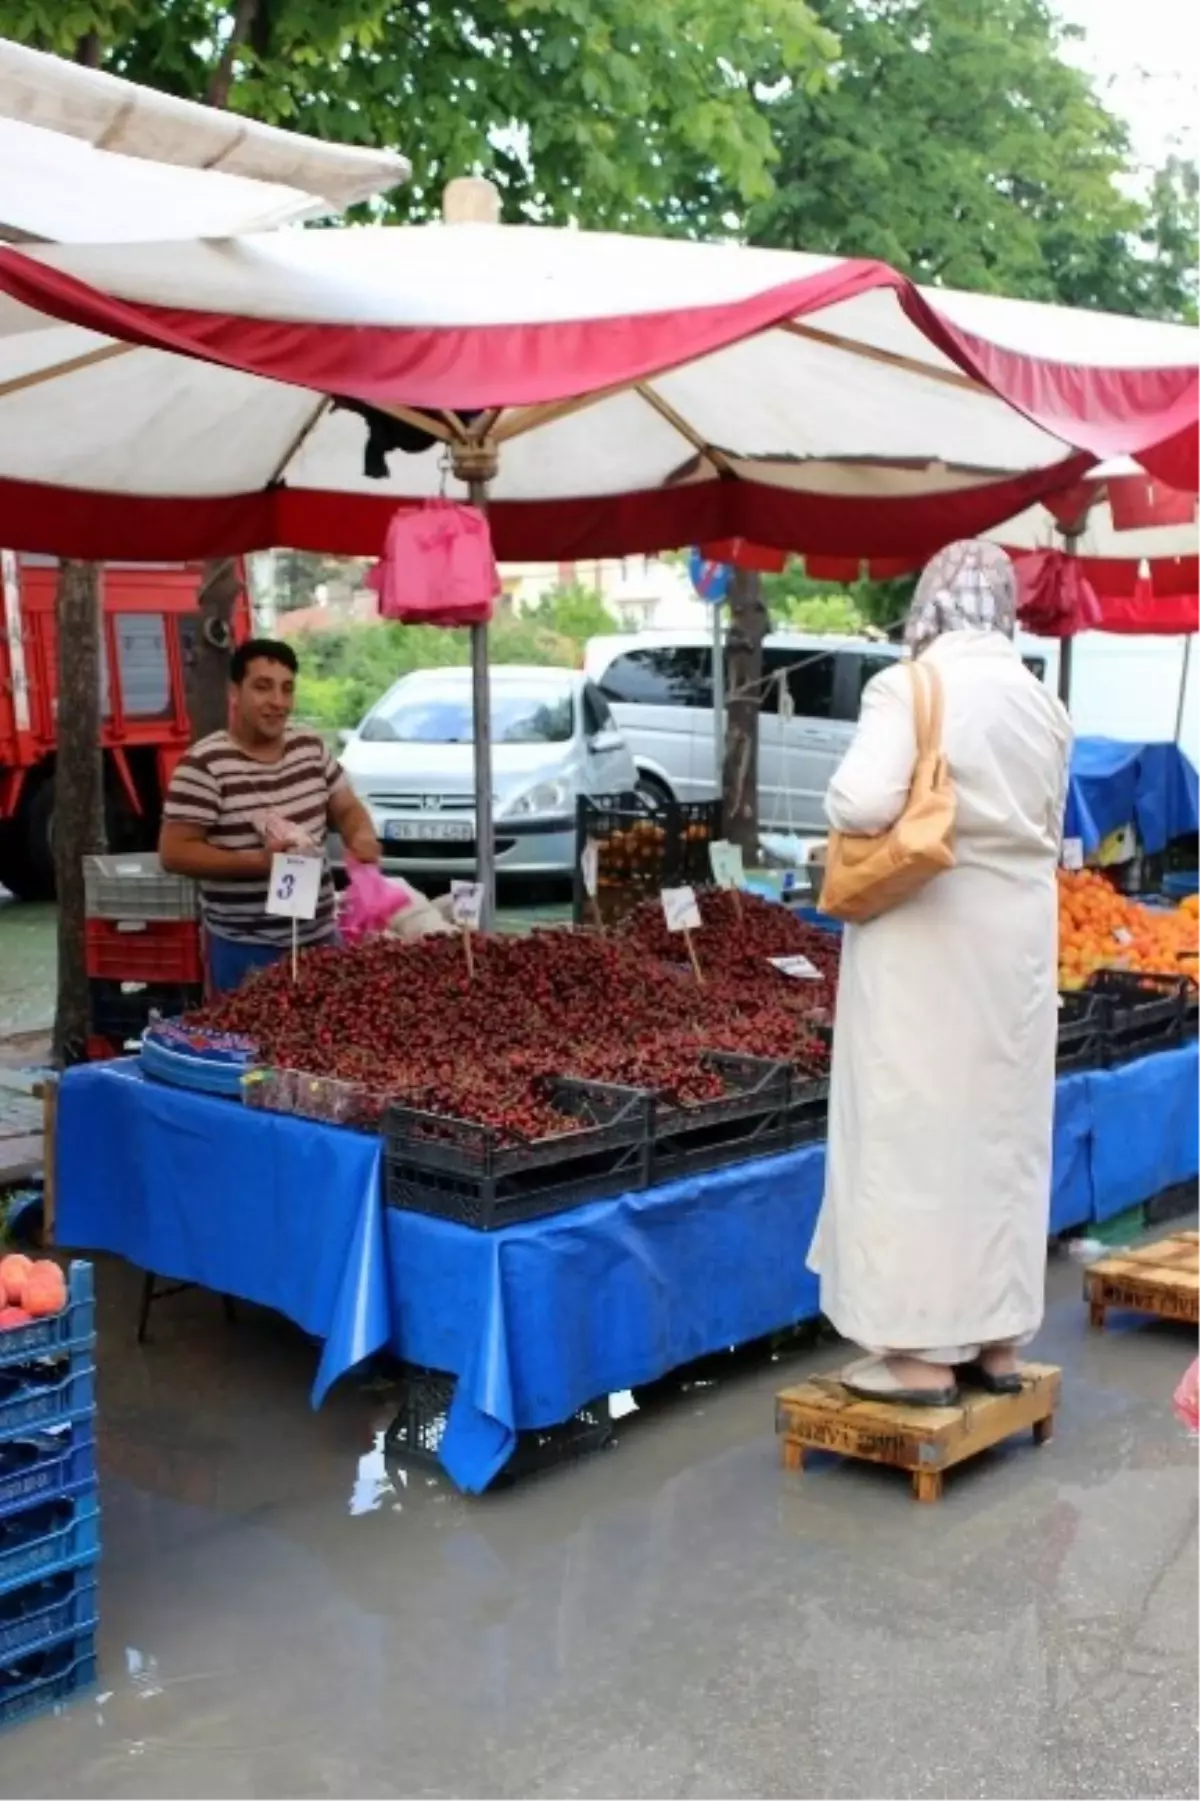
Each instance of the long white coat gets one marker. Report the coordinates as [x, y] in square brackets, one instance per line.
[933, 1229]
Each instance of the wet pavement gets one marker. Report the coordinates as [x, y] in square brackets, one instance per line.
[285, 1614]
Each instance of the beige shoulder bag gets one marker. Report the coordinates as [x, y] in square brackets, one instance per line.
[866, 874]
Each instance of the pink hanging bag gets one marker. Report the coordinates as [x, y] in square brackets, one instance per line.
[437, 566]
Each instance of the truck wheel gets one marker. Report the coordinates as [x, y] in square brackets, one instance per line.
[36, 853]
[11, 863]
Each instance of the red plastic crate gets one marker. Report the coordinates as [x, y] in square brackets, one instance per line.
[144, 950]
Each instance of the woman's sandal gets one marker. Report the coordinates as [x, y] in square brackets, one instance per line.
[975, 1376]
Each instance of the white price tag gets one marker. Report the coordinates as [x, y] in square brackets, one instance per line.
[1072, 853]
[680, 910]
[589, 867]
[295, 885]
[725, 861]
[1123, 935]
[800, 967]
[466, 904]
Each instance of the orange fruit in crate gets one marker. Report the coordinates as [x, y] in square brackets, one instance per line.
[14, 1275]
[1101, 929]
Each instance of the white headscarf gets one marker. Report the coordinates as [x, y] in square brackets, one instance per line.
[971, 586]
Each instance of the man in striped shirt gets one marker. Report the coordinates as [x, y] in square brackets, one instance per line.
[241, 795]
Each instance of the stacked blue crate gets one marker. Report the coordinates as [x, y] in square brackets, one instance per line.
[49, 1505]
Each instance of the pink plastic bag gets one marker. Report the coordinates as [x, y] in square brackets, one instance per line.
[370, 902]
[437, 567]
[1187, 1398]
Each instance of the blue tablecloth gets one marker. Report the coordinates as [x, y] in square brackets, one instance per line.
[541, 1318]
[1152, 786]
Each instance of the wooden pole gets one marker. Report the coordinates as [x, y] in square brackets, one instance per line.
[78, 793]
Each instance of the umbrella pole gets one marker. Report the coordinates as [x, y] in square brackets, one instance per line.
[1066, 646]
[471, 200]
[718, 697]
[481, 714]
[1183, 682]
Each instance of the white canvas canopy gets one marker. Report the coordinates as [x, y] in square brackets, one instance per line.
[641, 394]
[74, 110]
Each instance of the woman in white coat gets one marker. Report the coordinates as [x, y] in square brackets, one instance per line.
[931, 1246]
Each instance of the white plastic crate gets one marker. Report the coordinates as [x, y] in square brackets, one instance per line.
[134, 885]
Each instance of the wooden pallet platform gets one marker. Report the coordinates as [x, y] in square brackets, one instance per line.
[1161, 1278]
[821, 1415]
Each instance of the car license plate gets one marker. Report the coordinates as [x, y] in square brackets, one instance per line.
[440, 831]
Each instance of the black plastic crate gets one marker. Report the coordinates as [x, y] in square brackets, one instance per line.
[466, 1172]
[751, 1119]
[641, 850]
[808, 1107]
[1145, 1012]
[1083, 1031]
[121, 1011]
[415, 1435]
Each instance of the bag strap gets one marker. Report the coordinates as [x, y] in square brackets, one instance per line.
[928, 709]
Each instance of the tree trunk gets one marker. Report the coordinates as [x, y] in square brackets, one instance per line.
[208, 670]
[78, 793]
[245, 16]
[748, 623]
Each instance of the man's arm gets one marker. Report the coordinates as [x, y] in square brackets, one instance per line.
[183, 849]
[351, 821]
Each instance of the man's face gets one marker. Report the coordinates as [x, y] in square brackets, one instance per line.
[263, 700]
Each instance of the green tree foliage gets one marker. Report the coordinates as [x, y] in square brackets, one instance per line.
[957, 144]
[342, 673]
[610, 112]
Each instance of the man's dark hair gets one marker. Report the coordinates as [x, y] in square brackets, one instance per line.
[269, 650]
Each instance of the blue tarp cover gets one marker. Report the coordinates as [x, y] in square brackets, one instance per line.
[1152, 786]
[538, 1319]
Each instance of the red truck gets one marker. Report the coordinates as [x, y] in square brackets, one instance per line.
[149, 636]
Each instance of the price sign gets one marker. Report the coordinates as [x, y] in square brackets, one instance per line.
[295, 885]
[1072, 853]
[799, 967]
[680, 910]
[725, 861]
[589, 867]
[466, 904]
[1123, 935]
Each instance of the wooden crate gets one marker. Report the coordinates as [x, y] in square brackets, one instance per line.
[1161, 1278]
[821, 1415]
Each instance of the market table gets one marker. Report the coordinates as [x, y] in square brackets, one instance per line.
[539, 1319]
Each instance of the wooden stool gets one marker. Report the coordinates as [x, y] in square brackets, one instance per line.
[1162, 1279]
[821, 1415]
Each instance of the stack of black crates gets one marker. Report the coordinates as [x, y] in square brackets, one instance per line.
[640, 850]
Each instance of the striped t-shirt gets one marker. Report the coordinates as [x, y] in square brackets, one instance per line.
[219, 787]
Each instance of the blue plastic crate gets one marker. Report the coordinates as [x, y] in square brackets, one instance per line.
[53, 1536]
[47, 1678]
[46, 1610]
[36, 1396]
[47, 1466]
[74, 1329]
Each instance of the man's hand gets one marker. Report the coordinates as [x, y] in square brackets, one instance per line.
[352, 823]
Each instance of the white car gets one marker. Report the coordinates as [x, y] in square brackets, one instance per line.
[659, 685]
[411, 762]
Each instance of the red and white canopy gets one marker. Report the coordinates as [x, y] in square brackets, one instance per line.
[643, 394]
[1134, 541]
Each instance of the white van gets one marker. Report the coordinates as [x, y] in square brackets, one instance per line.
[659, 686]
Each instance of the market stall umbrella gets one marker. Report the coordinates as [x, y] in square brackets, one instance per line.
[621, 394]
[88, 157]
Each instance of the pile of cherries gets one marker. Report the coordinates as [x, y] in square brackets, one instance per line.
[413, 1022]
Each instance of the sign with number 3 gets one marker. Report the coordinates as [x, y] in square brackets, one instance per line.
[295, 886]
